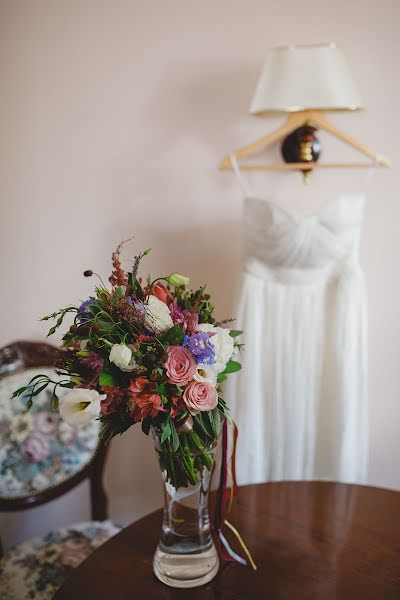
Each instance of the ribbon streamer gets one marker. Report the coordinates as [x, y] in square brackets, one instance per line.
[225, 499]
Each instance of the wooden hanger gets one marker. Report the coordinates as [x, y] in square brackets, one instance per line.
[295, 120]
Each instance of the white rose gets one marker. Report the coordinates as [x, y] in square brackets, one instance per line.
[206, 374]
[157, 316]
[222, 342]
[132, 365]
[80, 406]
[120, 355]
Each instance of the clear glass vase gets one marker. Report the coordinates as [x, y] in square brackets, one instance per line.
[186, 555]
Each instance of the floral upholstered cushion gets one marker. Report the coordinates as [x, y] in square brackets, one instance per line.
[38, 567]
[37, 448]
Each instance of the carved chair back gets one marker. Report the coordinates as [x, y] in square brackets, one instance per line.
[41, 456]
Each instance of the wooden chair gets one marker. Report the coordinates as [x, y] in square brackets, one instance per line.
[42, 458]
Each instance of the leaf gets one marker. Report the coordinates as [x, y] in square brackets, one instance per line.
[119, 292]
[107, 379]
[161, 389]
[232, 367]
[135, 285]
[29, 405]
[235, 332]
[214, 417]
[205, 424]
[221, 377]
[93, 309]
[54, 401]
[39, 389]
[175, 438]
[166, 430]
[173, 337]
[19, 391]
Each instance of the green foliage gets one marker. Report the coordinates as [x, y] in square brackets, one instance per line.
[221, 377]
[60, 314]
[166, 430]
[119, 292]
[106, 378]
[214, 417]
[173, 337]
[232, 367]
[235, 333]
[174, 436]
[36, 385]
[135, 286]
[112, 318]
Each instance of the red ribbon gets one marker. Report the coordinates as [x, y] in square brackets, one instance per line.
[222, 506]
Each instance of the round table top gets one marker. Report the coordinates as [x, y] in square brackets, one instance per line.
[310, 540]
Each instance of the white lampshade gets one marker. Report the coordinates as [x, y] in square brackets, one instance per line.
[314, 77]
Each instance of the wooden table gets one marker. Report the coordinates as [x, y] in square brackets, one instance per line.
[310, 540]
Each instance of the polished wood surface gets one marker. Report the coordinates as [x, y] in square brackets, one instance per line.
[310, 540]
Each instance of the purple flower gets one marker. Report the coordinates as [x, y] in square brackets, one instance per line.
[184, 318]
[35, 448]
[84, 314]
[94, 361]
[140, 307]
[177, 314]
[199, 344]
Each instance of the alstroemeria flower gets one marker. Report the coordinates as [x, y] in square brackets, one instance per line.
[80, 406]
[146, 402]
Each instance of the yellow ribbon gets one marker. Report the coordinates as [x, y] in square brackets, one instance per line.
[241, 542]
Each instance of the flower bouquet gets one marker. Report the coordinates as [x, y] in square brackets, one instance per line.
[152, 353]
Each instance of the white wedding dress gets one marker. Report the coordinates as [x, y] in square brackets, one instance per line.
[300, 401]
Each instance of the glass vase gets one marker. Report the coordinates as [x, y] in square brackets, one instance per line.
[186, 555]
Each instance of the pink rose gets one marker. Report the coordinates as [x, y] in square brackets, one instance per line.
[180, 365]
[200, 396]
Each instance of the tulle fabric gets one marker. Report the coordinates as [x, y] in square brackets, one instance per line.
[300, 401]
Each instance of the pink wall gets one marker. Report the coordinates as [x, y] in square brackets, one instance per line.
[113, 117]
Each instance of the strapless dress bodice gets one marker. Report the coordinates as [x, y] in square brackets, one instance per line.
[295, 248]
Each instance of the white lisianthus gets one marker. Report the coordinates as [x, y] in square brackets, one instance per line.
[80, 406]
[176, 279]
[206, 374]
[120, 355]
[157, 316]
[222, 342]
